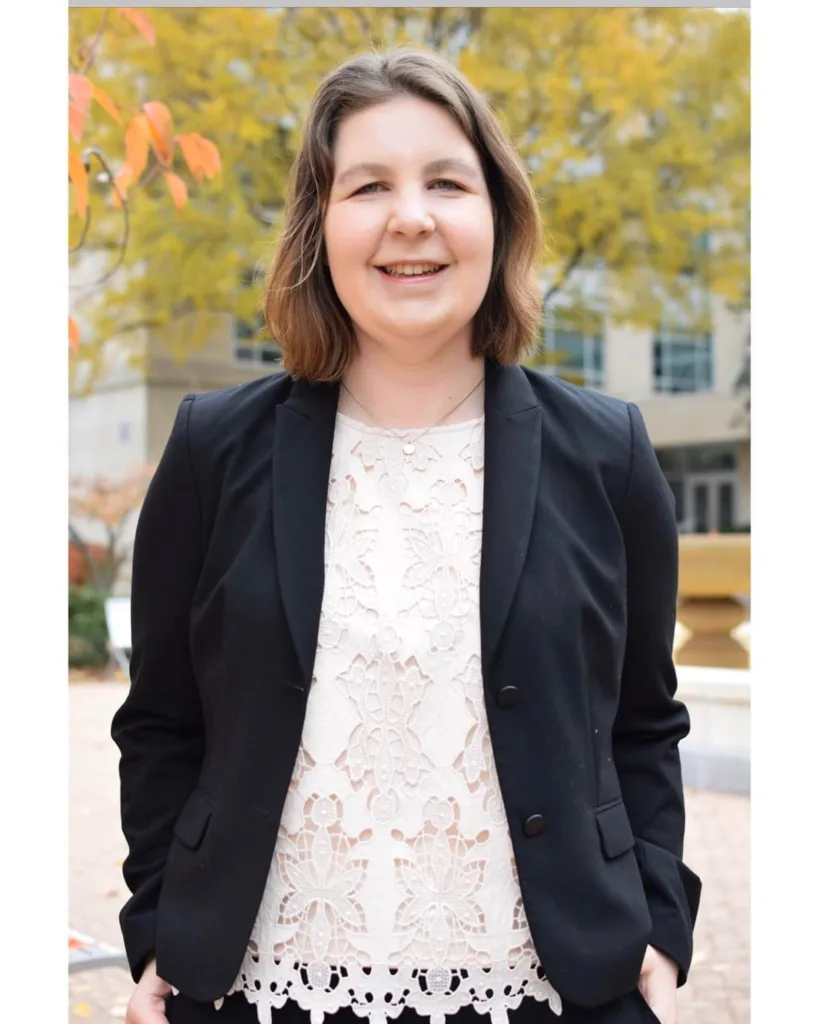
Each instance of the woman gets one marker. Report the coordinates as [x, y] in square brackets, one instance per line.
[401, 736]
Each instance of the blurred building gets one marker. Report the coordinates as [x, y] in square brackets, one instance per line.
[683, 383]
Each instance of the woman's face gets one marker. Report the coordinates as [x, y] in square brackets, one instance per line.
[408, 228]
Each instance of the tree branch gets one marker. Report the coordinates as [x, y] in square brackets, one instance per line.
[258, 212]
[84, 235]
[364, 24]
[89, 60]
[571, 265]
[78, 542]
[435, 33]
[595, 129]
[94, 151]
[85, 551]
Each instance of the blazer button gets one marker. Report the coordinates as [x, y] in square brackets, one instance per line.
[508, 696]
[533, 825]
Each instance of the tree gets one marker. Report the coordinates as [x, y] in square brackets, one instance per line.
[742, 384]
[633, 122]
[105, 506]
[149, 129]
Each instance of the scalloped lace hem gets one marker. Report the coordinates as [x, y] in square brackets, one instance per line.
[379, 994]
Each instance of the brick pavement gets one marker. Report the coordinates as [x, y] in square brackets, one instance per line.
[717, 848]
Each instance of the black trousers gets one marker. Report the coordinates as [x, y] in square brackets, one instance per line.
[630, 1009]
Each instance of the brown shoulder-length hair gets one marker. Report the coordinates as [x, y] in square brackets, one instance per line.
[301, 307]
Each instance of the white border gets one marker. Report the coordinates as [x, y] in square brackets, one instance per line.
[34, 509]
[785, 569]
[785, 566]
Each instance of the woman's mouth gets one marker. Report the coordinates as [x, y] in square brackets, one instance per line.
[409, 273]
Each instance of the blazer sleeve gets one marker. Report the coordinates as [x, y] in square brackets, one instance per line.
[159, 728]
[650, 723]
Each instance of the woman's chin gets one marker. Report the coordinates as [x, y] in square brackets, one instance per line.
[419, 330]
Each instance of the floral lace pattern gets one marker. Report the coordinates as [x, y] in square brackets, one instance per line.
[393, 883]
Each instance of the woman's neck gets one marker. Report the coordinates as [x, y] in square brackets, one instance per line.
[395, 393]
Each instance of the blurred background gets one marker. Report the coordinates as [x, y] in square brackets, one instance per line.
[634, 124]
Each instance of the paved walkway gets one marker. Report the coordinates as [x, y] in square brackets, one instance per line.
[717, 849]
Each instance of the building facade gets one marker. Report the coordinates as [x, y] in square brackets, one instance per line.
[684, 385]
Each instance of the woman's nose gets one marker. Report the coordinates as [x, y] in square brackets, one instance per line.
[410, 215]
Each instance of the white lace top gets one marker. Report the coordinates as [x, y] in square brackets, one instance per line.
[393, 881]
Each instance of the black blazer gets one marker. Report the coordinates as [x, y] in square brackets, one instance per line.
[577, 608]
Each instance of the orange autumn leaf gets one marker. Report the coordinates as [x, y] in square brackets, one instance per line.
[107, 104]
[177, 188]
[122, 180]
[141, 22]
[160, 127]
[79, 179]
[76, 120]
[209, 154]
[74, 342]
[211, 160]
[201, 155]
[80, 91]
[137, 141]
[189, 144]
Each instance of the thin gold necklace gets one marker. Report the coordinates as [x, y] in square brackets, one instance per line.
[408, 447]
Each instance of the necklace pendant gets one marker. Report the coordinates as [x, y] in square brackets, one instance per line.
[409, 449]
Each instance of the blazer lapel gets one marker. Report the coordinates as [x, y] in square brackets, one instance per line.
[511, 470]
[302, 451]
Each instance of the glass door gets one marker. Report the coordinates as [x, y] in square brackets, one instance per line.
[710, 502]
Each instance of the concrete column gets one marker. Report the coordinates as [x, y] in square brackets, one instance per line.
[628, 356]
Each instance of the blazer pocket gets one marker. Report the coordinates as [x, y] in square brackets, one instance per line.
[192, 823]
[614, 827]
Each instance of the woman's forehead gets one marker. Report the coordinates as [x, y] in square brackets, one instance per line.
[399, 131]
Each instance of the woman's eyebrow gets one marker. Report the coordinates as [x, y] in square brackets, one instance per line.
[452, 164]
[434, 167]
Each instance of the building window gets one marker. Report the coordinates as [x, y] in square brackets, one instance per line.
[574, 355]
[705, 482]
[250, 347]
[683, 362]
[257, 353]
[260, 353]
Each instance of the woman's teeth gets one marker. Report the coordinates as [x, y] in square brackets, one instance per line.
[412, 269]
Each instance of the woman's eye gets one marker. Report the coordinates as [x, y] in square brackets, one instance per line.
[440, 184]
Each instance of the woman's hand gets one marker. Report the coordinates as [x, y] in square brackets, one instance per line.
[147, 1004]
[658, 985]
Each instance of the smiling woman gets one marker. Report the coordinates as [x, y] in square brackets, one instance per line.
[440, 184]
[401, 737]
[409, 252]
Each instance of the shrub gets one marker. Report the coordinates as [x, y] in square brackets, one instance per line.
[78, 569]
[87, 631]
